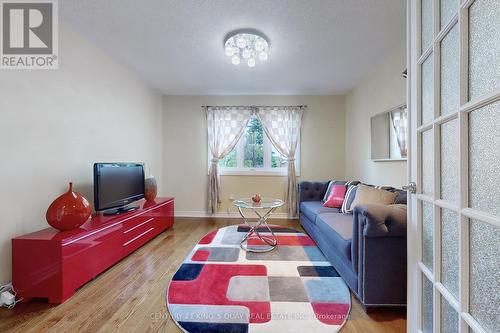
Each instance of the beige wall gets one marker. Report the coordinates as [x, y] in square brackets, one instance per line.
[55, 124]
[380, 90]
[185, 148]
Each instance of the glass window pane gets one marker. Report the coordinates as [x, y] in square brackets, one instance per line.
[427, 24]
[427, 305]
[427, 101]
[278, 160]
[229, 161]
[448, 9]
[484, 47]
[484, 157]
[427, 235]
[449, 251]
[427, 162]
[254, 144]
[484, 274]
[449, 317]
[449, 161]
[449, 73]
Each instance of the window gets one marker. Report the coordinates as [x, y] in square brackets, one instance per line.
[255, 155]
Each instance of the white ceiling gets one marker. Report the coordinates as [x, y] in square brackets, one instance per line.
[317, 46]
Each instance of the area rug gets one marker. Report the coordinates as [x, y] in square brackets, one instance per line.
[221, 288]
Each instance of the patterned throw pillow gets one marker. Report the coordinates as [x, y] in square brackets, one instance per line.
[349, 198]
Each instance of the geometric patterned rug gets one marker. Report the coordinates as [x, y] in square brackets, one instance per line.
[221, 288]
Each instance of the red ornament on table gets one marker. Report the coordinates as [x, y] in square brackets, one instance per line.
[69, 211]
[256, 198]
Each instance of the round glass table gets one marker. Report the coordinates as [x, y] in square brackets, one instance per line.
[263, 209]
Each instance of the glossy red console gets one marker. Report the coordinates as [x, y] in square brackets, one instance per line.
[53, 264]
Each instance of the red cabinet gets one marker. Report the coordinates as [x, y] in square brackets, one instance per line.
[53, 264]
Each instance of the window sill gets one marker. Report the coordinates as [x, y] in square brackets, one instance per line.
[280, 173]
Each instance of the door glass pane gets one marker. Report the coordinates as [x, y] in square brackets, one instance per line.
[427, 235]
[484, 157]
[427, 24]
[485, 274]
[449, 72]
[427, 101]
[427, 305]
[448, 9]
[484, 47]
[449, 251]
[449, 161]
[449, 317]
[427, 162]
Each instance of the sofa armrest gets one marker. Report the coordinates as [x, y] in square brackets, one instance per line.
[379, 253]
[312, 191]
[382, 220]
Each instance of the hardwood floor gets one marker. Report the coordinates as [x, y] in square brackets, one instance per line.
[130, 296]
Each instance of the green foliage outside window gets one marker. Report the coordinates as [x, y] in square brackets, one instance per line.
[253, 150]
[254, 144]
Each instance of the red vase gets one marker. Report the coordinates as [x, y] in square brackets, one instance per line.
[69, 211]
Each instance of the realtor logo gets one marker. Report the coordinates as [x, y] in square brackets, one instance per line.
[29, 34]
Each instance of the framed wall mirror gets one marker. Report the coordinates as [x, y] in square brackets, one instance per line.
[388, 135]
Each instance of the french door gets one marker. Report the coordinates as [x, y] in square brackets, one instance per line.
[454, 216]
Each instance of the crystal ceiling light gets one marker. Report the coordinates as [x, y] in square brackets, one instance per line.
[246, 46]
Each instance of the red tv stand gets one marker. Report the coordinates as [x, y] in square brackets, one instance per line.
[53, 264]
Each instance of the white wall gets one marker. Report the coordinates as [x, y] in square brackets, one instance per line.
[380, 90]
[55, 124]
[185, 148]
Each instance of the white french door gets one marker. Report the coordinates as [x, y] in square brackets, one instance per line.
[454, 218]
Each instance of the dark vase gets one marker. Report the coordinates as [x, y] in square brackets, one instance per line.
[69, 211]
[150, 188]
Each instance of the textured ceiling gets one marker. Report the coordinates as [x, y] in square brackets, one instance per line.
[317, 46]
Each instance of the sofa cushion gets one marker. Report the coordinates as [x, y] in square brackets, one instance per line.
[312, 208]
[337, 228]
[371, 195]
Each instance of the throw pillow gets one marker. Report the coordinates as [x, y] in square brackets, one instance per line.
[371, 195]
[329, 188]
[349, 198]
[336, 197]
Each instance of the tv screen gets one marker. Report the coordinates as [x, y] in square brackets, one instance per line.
[117, 184]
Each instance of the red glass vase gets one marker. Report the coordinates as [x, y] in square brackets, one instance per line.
[69, 211]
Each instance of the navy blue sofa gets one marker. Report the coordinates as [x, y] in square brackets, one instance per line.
[367, 247]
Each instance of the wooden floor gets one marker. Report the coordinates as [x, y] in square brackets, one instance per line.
[130, 296]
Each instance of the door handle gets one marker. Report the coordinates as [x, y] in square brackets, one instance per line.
[411, 187]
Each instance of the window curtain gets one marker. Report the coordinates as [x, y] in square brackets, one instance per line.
[282, 126]
[399, 119]
[225, 126]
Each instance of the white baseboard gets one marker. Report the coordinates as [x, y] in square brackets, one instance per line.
[231, 215]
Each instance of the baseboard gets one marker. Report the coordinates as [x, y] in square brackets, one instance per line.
[227, 215]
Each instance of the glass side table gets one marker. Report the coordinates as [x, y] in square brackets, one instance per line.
[264, 209]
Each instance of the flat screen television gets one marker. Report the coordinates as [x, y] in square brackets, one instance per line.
[117, 185]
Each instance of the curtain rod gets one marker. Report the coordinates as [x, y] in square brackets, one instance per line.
[255, 106]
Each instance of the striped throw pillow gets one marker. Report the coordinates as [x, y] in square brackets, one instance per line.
[349, 198]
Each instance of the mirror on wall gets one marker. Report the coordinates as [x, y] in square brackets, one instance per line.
[388, 135]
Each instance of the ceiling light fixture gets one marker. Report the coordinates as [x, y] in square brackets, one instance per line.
[246, 45]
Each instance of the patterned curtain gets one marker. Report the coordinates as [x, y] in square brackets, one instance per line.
[225, 126]
[282, 126]
[399, 119]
